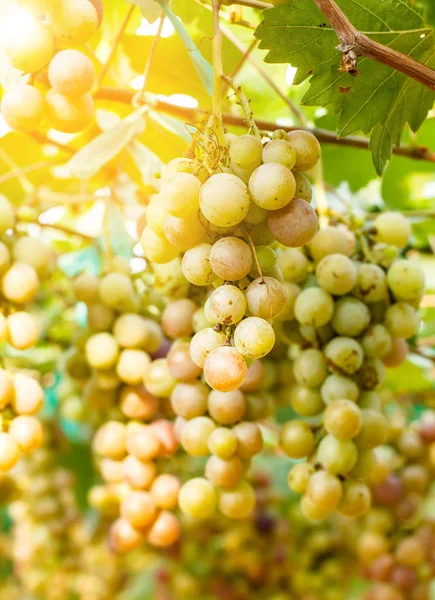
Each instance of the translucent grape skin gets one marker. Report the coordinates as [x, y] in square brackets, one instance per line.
[23, 107]
[71, 72]
[69, 114]
[344, 355]
[231, 258]
[297, 439]
[196, 265]
[307, 149]
[204, 342]
[29, 47]
[406, 280]
[336, 274]
[314, 307]
[254, 337]
[392, 228]
[227, 305]
[338, 457]
[225, 369]
[198, 498]
[272, 186]
[224, 200]
[295, 224]
[279, 151]
[324, 490]
[265, 297]
[343, 419]
[329, 240]
[351, 317]
[310, 367]
[246, 151]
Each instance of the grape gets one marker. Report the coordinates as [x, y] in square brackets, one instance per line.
[142, 442]
[165, 530]
[279, 151]
[157, 248]
[203, 343]
[123, 537]
[293, 265]
[227, 305]
[132, 365]
[344, 354]
[299, 476]
[189, 400]
[6, 389]
[117, 292]
[306, 401]
[131, 331]
[324, 490]
[355, 500]
[156, 213]
[371, 285]
[5, 255]
[410, 552]
[338, 457]
[27, 432]
[226, 407]
[100, 317]
[23, 331]
[371, 374]
[164, 490]
[71, 72]
[23, 107]
[224, 200]
[7, 218]
[313, 511]
[392, 228]
[272, 186]
[158, 380]
[342, 419]
[85, 287]
[406, 280]
[307, 149]
[30, 46]
[180, 364]
[19, 283]
[249, 439]
[196, 265]
[110, 440]
[102, 351]
[303, 187]
[138, 474]
[184, 233]
[181, 195]
[137, 403]
[32, 251]
[238, 502]
[69, 114]
[336, 273]
[351, 317]
[99, 7]
[297, 439]
[254, 337]
[402, 320]
[73, 22]
[310, 368]
[254, 379]
[314, 307]
[259, 234]
[245, 151]
[266, 259]
[291, 291]
[177, 318]
[231, 258]
[374, 430]
[398, 353]
[36, 7]
[222, 442]
[255, 214]
[138, 508]
[224, 473]
[198, 498]
[225, 369]
[370, 399]
[265, 297]
[377, 341]
[294, 225]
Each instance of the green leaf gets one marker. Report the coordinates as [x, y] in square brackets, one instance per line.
[412, 376]
[148, 164]
[429, 14]
[73, 263]
[379, 100]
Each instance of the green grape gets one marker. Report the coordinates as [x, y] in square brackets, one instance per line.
[181, 195]
[295, 224]
[222, 442]
[355, 500]
[371, 285]
[245, 151]
[336, 273]
[102, 351]
[204, 342]
[406, 280]
[259, 234]
[351, 317]
[227, 305]
[313, 511]
[224, 200]
[310, 368]
[377, 341]
[195, 434]
[30, 46]
[303, 187]
[344, 355]
[196, 265]
[238, 502]
[231, 258]
[272, 186]
[198, 498]
[366, 464]
[117, 292]
[329, 240]
[279, 151]
[71, 72]
[224, 473]
[307, 149]
[23, 107]
[297, 439]
[255, 214]
[156, 214]
[266, 259]
[314, 307]
[371, 374]
[226, 407]
[374, 431]
[324, 490]
[265, 297]
[402, 320]
[158, 380]
[69, 114]
[312, 334]
[189, 400]
[370, 399]
[338, 457]
[73, 22]
[306, 401]
[254, 337]
[225, 369]
[342, 419]
[392, 228]
[293, 265]
[20, 283]
[299, 476]
[291, 291]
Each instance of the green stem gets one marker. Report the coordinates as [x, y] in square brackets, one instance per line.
[244, 103]
[217, 74]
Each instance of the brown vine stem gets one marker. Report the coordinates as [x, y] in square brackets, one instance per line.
[323, 135]
[353, 43]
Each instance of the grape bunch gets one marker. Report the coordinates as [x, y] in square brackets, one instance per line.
[43, 47]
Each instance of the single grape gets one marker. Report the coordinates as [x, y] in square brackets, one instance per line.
[204, 342]
[255, 377]
[181, 195]
[164, 490]
[329, 240]
[297, 439]
[310, 368]
[266, 259]
[324, 490]
[224, 200]
[138, 508]
[299, 476]
[355, 500]
[226, 407]
[142, 442]
[102, 351]
[295, 224]
[225, 369]
[131, 331]
[254, 337]
[293, 265]
[343, 419]
[338, 457]
[20, 283]
[374, 430]
[402, 320]
[196, 265]
[100, 317]
[351, 317]
[231, 258]
[23, 331]
[371, 285]
[195, 434]
[27, 432]
[370, 399]
[9, 451]
[344, 355]
[184, 232]
[314, 307]
[85, 288]
[73, 22]
[117, 292]
[224, 473]
[291, 291]
[312, 511]
[222, 442]
[377, 341]
[198, 498]
[307, 149]
[259, 234]
[306, 401]
[132, 365]
[177, 318]
[272, 186]
[392, 228]
[180, 364]
[406, 280]
[245, 151]
[336, 273]
[265, 297]
[23, 107]
[156, 213]
[279, 151]
[397, 355]
[249, 439]
[69, 114]
[237, 502]
[371, 374]
[137, 403]
[157, 248]
[166, 529]
[30, 46]
[303, 187]
[158, 380]
[71, 72]
[189, 400]
[123, 537]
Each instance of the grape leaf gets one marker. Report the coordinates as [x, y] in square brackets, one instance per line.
[380, 100]
[429, 11]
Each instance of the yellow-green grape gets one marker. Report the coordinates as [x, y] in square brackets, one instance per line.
[23, 107]
[279, 151]
[293, 265]
[131, 331]
[28, 395]
[195, 434]
[225, 369]
[324, 490]
[132, 365]
[343, 419]
[30, 46]
[27, 432]
[256, 214]
[370, 399]
[351, 317]
[85, 288]
[249, 439]
[238, 502]
[158, 379]
[392, 228]
[374, 431]
[312, 511]
[196, 265]
[23, 331]
[297, 439]
[224, 473]
[20, 283]
[157, 248]
[7, 217]
[259, 233]
[272, 186]
[336, 274]
[337, 387]
[69, 114]
[156, 214]
[344, 354]
[71, 72]
[73, 22]
[198, 498]
[305, 401]
[5, 255]
[303, 187]
[266, 259]
[9, 451]
[402, 320]
[254, 337]
[117, 292]
[204, 342]
[222, 442]
[406, 280]
[329, 240]
[309, 368]
[314, 307]
[377, 341]
[189, 400]
[245, 151]
[266, 297]
[231, 258]
[184, 232]
[181, 195]
[299, 476]
[371, 284]
[169, 280]
[110, 440]
[291, 291]
[226, 305]
[337, 456]
[224, 200]
[3, 328]
[355, 500]
[32, 251]
[307, 149]
[226, 407]
[102, 351]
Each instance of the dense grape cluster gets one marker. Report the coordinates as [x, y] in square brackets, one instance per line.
[44, 46]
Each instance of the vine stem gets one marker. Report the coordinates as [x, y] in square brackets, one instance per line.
[251, 243]
[244, 103]
[217, 74]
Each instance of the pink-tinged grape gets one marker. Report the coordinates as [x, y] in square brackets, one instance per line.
[196, 265]
[254, 337]
[198, 498]
[406, 280]
[123, 537]
[293, 265]
[299, 477]
[224, 200]
[392, 228]
[137, 473]
[324, 490]
[157, 248]
[189, 400]
[343, 419]
[225, 369]
[279, 151]
[67, 113]
[397, 355]
[351, 317]
[204, 342]
[402, 320]
[314, 307]
[303, 187]
[181, 195]
[231, 258]
[137, 403]
[377, 341]
[30, 46]
[246, 151]
[249, 439]
[184, 232]
[272, 186]
[295, 224]
[310, 368]
[164, 490]
[307, 149]
[177, 318]
[355, 500]
[180, 364]
[265, 297]
[344, 355]
[224, 473]
[138, 508]
[165, 531]
[227, 305]
[337, 456]
[297, 439]
[71, 72]
[371, 284]
[23, 107]
[226, 407]
[254, 379]
[238, 502]
[336, 273]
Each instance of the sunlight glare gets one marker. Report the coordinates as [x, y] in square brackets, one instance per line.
[290, 75]
[146, 28]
